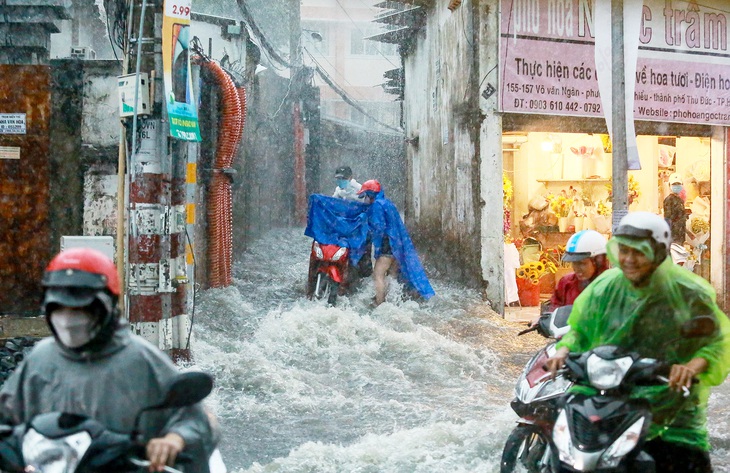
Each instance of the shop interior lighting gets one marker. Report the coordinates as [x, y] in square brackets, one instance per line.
[553, 144]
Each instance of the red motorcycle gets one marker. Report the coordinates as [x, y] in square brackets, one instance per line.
[328, 271]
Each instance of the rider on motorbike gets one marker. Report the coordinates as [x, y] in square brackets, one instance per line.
[586, 253]
[640, 305]
[96, 367]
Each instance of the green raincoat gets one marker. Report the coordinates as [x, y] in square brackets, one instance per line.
[611, 311]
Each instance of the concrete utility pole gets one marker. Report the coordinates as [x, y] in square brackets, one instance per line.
[620, 186]
[156, 302]
[295, 56]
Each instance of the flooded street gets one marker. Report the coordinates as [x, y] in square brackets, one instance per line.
[405, 387]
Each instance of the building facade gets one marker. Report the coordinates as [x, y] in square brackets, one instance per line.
[508, 92]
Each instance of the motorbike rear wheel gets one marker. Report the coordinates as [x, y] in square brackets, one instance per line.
[526, 446]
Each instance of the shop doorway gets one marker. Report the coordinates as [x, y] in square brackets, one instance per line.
[561, 184]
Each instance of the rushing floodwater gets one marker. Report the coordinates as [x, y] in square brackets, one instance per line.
[405, 387]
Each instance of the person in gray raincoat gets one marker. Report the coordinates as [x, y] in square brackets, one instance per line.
[94, 366]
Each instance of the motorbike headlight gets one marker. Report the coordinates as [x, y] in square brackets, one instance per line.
[561, 437]
[622, 446]
[607, 374]
[61, 455]
[318, 251]
[340, 253]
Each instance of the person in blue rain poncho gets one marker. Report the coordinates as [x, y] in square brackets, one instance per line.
[357, 225]
[391, 243]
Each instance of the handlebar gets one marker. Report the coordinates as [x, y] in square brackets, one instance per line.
[146, 463]
[685, 389]
[532, 328]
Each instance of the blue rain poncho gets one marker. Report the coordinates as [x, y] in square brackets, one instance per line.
[339, 222]
[647, 319]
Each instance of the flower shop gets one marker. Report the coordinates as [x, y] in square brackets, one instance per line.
[556, 184]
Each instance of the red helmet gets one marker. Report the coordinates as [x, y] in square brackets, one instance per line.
[75, 276]
[372, 185]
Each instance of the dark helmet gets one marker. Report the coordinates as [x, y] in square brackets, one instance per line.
[372, 185]
[82, 277]
[343, 172]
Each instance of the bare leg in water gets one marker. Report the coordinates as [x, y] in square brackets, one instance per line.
[380, 271]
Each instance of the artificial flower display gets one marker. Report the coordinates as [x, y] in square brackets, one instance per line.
[634, 190]
[533, 271]
[561, 204]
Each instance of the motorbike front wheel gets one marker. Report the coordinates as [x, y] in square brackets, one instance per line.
[326, 288]
[526, 446]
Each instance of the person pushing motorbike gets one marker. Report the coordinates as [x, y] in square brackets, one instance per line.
[96, 367]
[640, 305]
[392, 245]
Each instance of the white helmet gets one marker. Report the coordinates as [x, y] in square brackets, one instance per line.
[584, 244]
[675, 179]
[645, 225]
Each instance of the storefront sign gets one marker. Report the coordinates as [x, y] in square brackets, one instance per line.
[9, 152]
[603, 55]
[181, 106]
[12, 123]
[682, 74]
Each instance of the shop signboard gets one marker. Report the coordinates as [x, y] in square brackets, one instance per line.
[12, 124]
[181, 106]
[682, 72]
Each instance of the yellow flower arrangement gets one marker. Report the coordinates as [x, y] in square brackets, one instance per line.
[560, 205]
[699, 225]
[634, 189]
[553, 258]
[507, 190]
[603, 209]
[535, 270]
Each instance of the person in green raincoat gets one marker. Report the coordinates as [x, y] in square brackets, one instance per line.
[641, 305]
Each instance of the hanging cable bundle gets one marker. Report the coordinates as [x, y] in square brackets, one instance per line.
[220, 199]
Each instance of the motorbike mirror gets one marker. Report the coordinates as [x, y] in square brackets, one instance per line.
[700, 326]
[560, 319]
[187, 389]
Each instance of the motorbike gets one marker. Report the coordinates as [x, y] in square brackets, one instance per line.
[536, 399]
[328, 269]
[605, 431]
[62, 442]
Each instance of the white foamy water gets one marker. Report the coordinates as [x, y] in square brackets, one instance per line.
[406, 387]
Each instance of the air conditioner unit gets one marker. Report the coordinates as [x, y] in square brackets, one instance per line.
[82, 52]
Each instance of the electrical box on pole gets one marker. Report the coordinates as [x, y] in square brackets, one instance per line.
[127, 87]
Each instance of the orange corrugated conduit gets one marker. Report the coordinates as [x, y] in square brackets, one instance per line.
[220, 198]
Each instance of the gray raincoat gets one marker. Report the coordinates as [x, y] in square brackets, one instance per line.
[110, 386]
